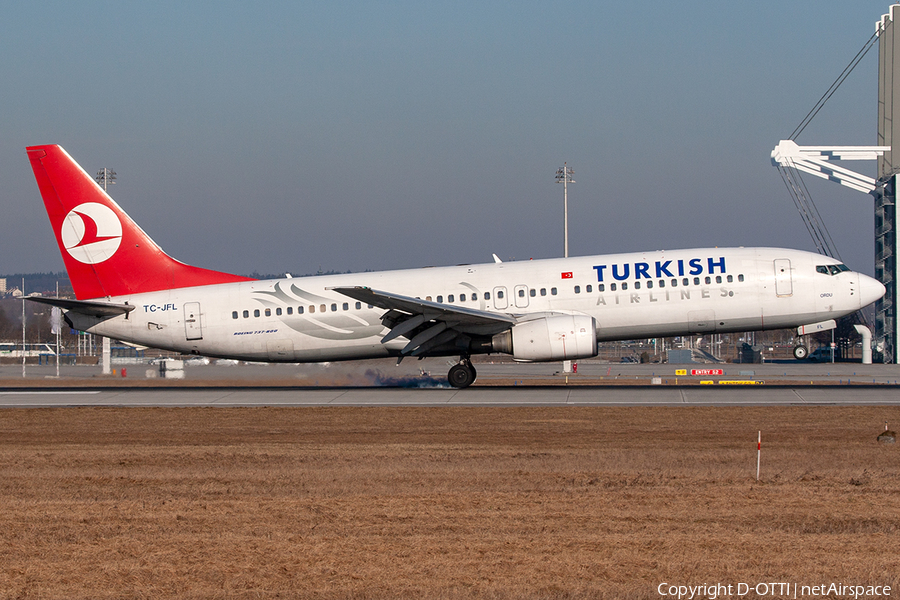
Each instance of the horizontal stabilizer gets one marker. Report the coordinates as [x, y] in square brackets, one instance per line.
[89, 308]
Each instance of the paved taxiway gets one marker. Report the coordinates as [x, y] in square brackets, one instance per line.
[498, 396]
[383, 383]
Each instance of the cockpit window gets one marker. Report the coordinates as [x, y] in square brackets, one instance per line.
[832, 269]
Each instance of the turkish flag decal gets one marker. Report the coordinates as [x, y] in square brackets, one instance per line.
[567, 275]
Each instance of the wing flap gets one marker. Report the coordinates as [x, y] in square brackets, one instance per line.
[429, 325]
[433, 311]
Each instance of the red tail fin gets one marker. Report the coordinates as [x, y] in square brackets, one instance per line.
[105, 252]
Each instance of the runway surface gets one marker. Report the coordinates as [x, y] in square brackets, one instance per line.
[497, 396]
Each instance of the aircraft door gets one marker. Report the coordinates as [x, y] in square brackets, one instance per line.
[193, 326]
[500, 299]
[521, 296]
[783, 284]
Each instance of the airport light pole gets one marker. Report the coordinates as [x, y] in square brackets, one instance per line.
[106, 177]
[564, 176]
[23, 327]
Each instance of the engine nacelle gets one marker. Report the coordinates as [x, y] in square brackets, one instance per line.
[560, 337]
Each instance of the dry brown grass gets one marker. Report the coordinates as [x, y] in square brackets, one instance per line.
[440, 502]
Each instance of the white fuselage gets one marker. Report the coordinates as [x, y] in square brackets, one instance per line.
[639, 295]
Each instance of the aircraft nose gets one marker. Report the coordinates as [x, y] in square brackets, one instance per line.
[870, 290]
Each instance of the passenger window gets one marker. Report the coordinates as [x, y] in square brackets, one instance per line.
[450, 298]
[624, 285]
[685, 281]
[740, 277]
[334, 307]
[487, 295]
[246, 314]
[278, 312]
[674, 283]
[268, 312]
[462, 297]
[577, 289]
[532, 292]
[589, 288]
[730, 279]
[299, 310]
[521, 293]
[697, 281]
[719, 278]
[474, 297]
[345, 306]
[358, 305]
[612, 287]
[662, 283]
[637, 285]
[500, 294]
[650, 285]
[552, 291]
[709, 279]
[543, 291]
[256, 312]
[234, 315]
[428, 298]
[290, 310]
[440, 299]
[322, 308]
[601, 287]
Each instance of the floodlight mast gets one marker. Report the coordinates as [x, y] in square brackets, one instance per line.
[564, 176]
[106, 177]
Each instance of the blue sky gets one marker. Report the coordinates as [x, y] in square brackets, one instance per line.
[351, 135]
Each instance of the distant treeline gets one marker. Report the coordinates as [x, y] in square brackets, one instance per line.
[39, 282]
[256, 275]
[46, 282]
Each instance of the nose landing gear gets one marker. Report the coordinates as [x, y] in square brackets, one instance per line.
[463, 374]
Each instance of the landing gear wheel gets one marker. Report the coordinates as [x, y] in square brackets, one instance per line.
[461, 375]
[801, 352]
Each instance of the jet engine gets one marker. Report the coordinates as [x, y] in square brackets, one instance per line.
[558, 337]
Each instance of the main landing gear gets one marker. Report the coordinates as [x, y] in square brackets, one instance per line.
[463, 374]
[801, 352]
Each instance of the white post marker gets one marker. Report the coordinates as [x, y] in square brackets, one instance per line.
[105, 356]
[758, 453]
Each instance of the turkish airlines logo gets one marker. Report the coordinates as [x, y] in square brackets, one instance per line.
[91, 233]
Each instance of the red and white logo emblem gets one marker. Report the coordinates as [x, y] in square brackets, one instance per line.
[91, 233]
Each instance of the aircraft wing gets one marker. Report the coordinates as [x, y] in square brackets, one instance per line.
[429, 325]
[85, 307]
